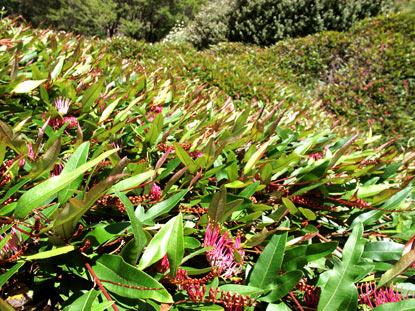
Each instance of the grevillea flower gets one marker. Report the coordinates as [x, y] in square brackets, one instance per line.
[154, 111]
[62, 105]
[57, 170]
[373, 297]
[222, 255]
[13, 245]
[312, 297]
[156, 192]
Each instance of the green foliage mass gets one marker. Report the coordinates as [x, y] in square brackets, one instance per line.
[266, 22]
[363, 74]
[150, 20]
[111, 165]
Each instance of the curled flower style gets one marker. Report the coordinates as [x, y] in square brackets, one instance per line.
[373, 297]
[13, 245]
[222, 255]
[312, 297]
[62, 105]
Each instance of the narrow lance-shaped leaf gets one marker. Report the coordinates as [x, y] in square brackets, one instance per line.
[9, 273]
[84, 302]
[67, 219]
[216, 210]
[47, 162]
[401, 266]
[27, 86]
[164, 206]
[77, 159]
[340, 152]
[139, 237]
[284, 284]
[175, 247]
[268, 266]
[185, 158]
[91, 94]
[157, 248]
[255, 158]
[36, 196]
[51, 253]
[340, 285]
[133, 283]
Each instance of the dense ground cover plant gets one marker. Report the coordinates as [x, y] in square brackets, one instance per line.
[364, 74]
[129, 184]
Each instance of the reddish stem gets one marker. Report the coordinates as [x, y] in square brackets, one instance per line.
[98, 282]
[296, 302]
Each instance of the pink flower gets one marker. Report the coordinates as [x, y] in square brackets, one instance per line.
[312, 297]
[73, 122]
[156, 192]
[373, 297]
[62, 104]
[13, 245]
[57, 170]
[222, 256]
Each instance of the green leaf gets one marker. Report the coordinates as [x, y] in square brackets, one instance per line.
[241, 289]
[164, 206]
[216, 210]
[113, 268]
[157, 248]
[133, 181]
[77, 159]
[51, 253]
[109, 109]
[103, 306]
[340, 152]
[140, 239]
[403, 305]
[397, 199]
[9, 273]
[401, 266]
[185, 158]
[268, 266]
[284, 284]
[91, 94]
[27, 86]
[255, 158]
[36, 196]
[196, 253]
[83, 302]
[340, 285]
[69, 216]
[309, 214]
[175, 247]
[122, 115]
[383, 251]
[191, 242]
[298, 257]
[47, 162]
[290, 206]
[155, 130]
[58, 68]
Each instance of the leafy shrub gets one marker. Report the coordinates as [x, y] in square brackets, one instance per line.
[210, 25]
[133, 184]
[265, 22]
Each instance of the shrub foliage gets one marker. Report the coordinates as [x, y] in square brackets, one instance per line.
[139, 183]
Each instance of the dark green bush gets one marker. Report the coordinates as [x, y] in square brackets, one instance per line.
[265, 22]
